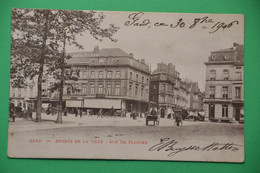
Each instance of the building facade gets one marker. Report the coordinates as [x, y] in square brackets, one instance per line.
[194, 96]
[169, 93]
[23, 97]
[108, 78]
[224, 96]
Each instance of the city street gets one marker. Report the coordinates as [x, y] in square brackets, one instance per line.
[101, 137]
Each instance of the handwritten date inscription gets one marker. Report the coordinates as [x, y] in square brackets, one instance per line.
[170, 147]
[138, 19]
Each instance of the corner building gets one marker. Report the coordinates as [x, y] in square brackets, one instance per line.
[167, 91]
[108, 78]
[224, 97]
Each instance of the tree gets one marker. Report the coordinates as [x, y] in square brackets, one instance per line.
[72, 23]
[32, 46]
[39, 39]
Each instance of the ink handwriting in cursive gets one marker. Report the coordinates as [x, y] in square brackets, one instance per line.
[138, 19]
[170, 146]
[135, 20]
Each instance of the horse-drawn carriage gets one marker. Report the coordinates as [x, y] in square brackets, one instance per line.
[154, 118]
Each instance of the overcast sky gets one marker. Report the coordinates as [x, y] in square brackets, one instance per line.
[186, 48]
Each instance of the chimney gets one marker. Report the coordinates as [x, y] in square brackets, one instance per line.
[159, 66]
[96, 49]
[171, 69]
[131, 55]
[143, 61]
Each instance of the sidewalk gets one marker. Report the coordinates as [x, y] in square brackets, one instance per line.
[48, 122]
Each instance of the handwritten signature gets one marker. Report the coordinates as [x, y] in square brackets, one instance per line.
[138, 19]
[170, 146]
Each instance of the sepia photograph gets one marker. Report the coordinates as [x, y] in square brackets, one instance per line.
[126, 85]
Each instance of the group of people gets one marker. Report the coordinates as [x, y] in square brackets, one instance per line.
[177, 117]
[19, 111]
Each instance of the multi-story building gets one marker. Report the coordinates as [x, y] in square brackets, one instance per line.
[167, 91]
[201, 96]
[224, 96]
[24, 97]
[183, 96]
[108, 78]
[194, 96]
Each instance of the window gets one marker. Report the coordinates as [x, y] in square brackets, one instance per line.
[225, 74]
[117, 89]
[163, 87]
[85, 75]
[92, 75]
[212, 75]
[19, 92]
[154, 87]
[238, 75]
[136, 89]
[31, 91]
[142, 79]
[147, 80]
[100, 74]
[80, 88]
[76, 88]
[84, 88]
[224, 110]
[50, 94]
[118, 74]
[92, 89]
[212, 92]
[130, 89]
[136, 77]
[109, 89]
[109, 74]
[238, 67]
[225, 92]
[13, 92]
[238, 92]
[131, 75]
[142, 91]
[162, 98]
[100, 89]
[69, 91]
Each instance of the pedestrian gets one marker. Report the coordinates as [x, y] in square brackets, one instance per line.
[112, 111]
[178, 119]
[12, 111]
[100, 113]
[80, 113]
[65, 111]
[52, 111]
[123, 113]
[153, 112]
[76, 112]
[30, 112]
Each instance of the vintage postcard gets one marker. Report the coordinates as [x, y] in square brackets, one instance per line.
[126, 85]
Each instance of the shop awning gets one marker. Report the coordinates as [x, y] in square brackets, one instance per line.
[74, 103]
[102, 103]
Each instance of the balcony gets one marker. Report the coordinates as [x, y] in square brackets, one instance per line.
[237, 100]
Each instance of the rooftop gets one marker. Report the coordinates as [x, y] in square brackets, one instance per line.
[234, 55]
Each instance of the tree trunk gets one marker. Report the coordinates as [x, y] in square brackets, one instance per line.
[59, 118]
[39, 94]
[42, 61]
